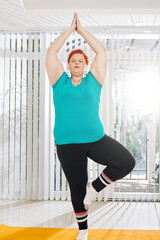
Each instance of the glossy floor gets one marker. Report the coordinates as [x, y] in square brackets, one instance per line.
[59, 214]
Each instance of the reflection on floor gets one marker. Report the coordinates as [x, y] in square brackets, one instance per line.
[59, 214]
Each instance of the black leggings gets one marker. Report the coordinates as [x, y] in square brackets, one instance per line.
[107, 151]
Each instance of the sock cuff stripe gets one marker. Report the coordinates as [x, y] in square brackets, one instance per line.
[83, 220]
[82, 216]
[81, 213]
[103, 180]
[107, 178]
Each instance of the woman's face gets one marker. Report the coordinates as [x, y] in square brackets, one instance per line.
[77, 64]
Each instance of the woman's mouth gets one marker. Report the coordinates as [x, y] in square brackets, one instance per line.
[76, 67]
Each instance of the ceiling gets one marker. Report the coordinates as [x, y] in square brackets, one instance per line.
[49, 15]
[93, 5]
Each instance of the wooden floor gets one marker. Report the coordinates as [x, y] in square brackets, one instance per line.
[59, 214]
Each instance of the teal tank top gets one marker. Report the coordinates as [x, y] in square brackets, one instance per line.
[77, 117]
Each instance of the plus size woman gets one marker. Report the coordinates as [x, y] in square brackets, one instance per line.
[78, 130]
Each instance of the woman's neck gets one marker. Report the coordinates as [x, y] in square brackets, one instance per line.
[76, 80]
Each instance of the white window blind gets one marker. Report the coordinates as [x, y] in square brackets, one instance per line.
[129, 110]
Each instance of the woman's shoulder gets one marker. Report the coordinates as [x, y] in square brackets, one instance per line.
[91, 76]
[61, 79]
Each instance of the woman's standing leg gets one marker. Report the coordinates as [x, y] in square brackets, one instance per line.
[74, 164]
[118, 160]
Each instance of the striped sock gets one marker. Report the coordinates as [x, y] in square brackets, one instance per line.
[82, 219]
[106, 180]
[101, 182]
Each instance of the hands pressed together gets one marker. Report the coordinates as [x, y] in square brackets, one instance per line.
[76, 26]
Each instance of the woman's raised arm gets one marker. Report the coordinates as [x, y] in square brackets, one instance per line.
[99, 65]
[59, 42]
[53, 65]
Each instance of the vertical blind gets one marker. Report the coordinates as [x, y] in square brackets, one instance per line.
[129, 110]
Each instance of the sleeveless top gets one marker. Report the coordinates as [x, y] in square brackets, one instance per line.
[77, 117]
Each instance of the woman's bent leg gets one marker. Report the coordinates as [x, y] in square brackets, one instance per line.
[118, 160]
[74, 164]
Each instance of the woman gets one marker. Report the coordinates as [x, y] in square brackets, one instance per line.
[78, 130]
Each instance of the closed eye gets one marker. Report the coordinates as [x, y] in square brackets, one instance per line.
[74, 61]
